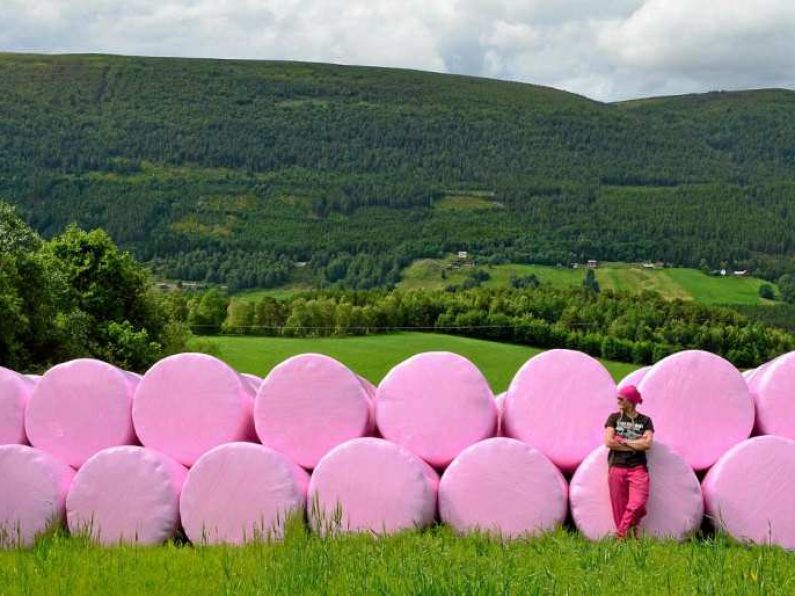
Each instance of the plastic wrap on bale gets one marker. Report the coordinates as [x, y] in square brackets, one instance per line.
[700, 405]
[253, 379]
[33, 488]
[79, 408]
[187, 404]
[634, 377]
[241, 492]
[749, 491]
[15, 391]
[309, 404]
[675, 507]
[126, 495]
[499, 401]
[503, 486]
[435, 404]
[773, 391]
[371, 485]
[558, 402]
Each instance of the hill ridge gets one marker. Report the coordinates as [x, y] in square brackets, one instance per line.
[196, 164]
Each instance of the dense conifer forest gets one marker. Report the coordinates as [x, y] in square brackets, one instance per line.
[233, 171]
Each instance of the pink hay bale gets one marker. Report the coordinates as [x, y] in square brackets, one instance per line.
[774, 397]
[15, 391]
[126, 494]
[240, 492]
[700, 405]
[748, 492]
[189, 403]
[503, 486]
[371, 390]
[675, 507]
[499, 401]
[368, 386]
[558, 402]
[253, 379]
[753, 376]
[308, 405]
[33, 377]
[79, 408]
[33, 487]
[435, 404]
[374, 485]
[634, 377]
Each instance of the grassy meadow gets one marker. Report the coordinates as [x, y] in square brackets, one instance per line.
[433, 561]
[372, 356]
[672, 283]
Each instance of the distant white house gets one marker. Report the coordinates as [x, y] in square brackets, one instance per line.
[743, 273]
[462, 254]
[648, 265]
[592, 264]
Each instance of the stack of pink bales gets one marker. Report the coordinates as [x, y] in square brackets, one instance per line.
[229, 458]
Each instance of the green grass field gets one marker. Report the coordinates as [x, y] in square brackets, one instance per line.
[279, 293]
[428, 562]
[372, 356]
[686, 284]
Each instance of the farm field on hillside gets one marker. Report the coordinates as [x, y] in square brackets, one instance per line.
[428, 562]
[682, 283]
[372, 356]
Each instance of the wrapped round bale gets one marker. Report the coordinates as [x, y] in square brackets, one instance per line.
[773, 391]
[80, 408]
[253, 379]
[634, 377]
[15, 391]
[187, 404]
[126, 494]
[435, 404]
[499, 401]
[368, 386]
[503, 486]
[748, 492]
[752, 376]
[374, 485]
[32, 493]
[700, 405]
[558, 402]
[241, 492]
[675, 507]
[308, 405]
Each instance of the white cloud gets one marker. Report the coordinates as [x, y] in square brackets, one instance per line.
[605, 49]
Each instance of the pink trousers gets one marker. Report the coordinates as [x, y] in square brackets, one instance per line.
[629, 493]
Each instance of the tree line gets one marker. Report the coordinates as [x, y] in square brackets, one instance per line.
[76, 295]
[640, 328]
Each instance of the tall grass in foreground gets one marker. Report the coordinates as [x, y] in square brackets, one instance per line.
[434, 561]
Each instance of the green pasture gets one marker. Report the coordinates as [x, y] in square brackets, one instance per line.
[429, 562]
[372, 356]
[280, 293]
[672, 283]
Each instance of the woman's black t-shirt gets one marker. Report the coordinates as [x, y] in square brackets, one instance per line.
[628, 429]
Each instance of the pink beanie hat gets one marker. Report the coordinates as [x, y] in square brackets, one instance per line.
[631, 393]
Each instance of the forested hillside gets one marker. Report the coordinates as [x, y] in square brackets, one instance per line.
[232, 171]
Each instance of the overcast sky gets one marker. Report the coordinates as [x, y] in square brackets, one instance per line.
[604, 49]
